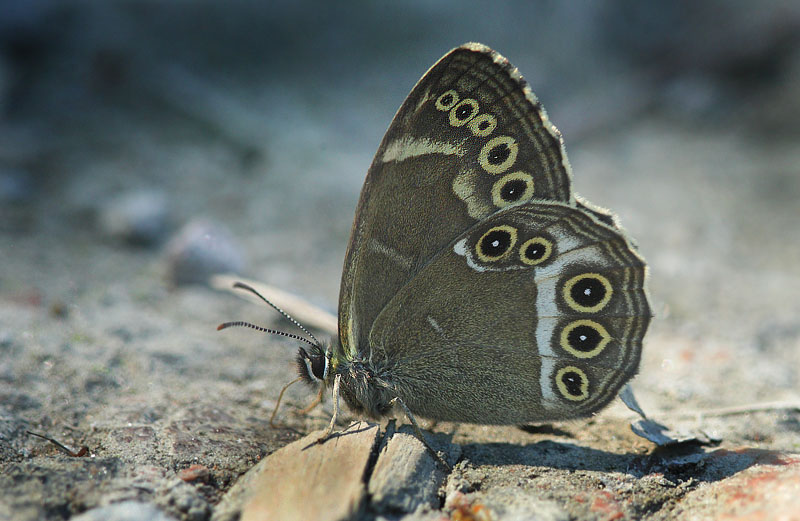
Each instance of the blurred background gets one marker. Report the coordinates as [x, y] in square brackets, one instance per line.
[132, 130]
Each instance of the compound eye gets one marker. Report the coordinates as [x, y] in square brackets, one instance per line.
[312, 367]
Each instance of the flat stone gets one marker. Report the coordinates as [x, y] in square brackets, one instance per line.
[308, 480]
[406, 476]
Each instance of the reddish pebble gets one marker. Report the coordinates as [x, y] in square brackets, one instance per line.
[194, 473]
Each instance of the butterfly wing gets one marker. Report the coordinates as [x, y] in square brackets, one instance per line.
[536, 313]
[470, 139]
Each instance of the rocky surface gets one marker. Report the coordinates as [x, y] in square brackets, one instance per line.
[108, 341]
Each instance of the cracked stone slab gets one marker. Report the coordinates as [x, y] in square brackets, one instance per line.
[360, 471]
[406, 476]
[307, 480]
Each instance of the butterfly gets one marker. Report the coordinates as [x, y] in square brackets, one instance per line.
[477, 286]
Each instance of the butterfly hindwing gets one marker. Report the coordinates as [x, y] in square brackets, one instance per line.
[469, 140]
[535, 313]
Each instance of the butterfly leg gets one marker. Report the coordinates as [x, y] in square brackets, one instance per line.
[278, 403]
[317, 401]
[419, 433]
[329, 430]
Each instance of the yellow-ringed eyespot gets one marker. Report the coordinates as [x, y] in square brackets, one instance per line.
[463, 112]
[572, 383]
[512, 188]
[496, 243]
[483, 125]
[535, 251]
[498, 154]
[584, 338]
[588, 292]
[447, 100]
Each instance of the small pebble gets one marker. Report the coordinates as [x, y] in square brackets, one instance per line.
[139, 217]
[200, 249]
[124, 511]
[194, 473]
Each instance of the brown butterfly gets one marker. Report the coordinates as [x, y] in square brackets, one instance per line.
[477, 287]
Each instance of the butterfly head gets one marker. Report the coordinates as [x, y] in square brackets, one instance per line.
[313, 364]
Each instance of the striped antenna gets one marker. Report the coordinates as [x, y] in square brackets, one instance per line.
[242, 285]
[240, 323]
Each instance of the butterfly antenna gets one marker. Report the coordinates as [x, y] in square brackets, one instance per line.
[242, 285]
[239, 323]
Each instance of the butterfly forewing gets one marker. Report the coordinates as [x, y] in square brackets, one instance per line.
[469, 140]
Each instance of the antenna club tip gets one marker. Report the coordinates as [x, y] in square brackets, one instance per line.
[221, 327]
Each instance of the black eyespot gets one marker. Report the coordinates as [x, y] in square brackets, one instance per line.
[447, 100]
[535, 251]
[584, 338]
[495, 243]
[498, 154]
[588, 292]
[483, 125]
[513, 190]
[573, 382]
[463, 112]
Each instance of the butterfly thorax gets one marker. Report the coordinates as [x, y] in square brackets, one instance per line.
[365, 387]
